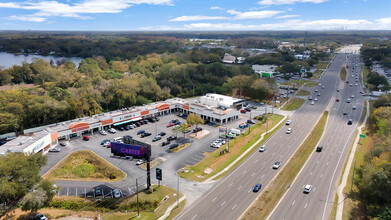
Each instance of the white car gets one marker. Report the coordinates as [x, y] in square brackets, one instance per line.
[215, 144]
[222, 141]
[102, 132]
[112, 130]
[316, 99]
[318, 94]
[307, 188]
[289, 130]
[356, 84]
[276, 165]
[262, 148]
[312, 103]
[117, 193]
[288, 122]
[354, 108]
[139, 162]
[352, 96]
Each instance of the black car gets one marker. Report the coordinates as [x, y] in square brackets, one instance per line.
[164, 143]
[171, 138]
[197, 130]
[141, 122]
[174, 121]
[121, 128]
[174, 145]
[350, 122]
[128, 136]
[319, 149]
[161, 134]
[177, 123]
[98, 191]
[127, 127]
[56, 149]
[157, 138]
[250, 121]
[145, 134]
[145, 121]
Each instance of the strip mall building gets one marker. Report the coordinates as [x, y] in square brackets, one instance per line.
[212, 107]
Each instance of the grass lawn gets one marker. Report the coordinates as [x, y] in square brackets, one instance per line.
[343, 74]
[84, 165]
[274, 190]
[180, 147]
[365, 75]
[152, 206]
[303, 92]
[311, 84]
[293, 104]
[238, 146]
[321, 65]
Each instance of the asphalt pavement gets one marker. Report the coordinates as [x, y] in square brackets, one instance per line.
[323, 168]
[230, 196]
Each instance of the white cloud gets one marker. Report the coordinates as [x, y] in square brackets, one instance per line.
[288, 2]
[216, 8]
[198, 18]
[48, 9]
[253, 14]
[287, 16]
[385, 21]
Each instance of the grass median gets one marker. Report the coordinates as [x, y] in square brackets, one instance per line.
[322, 65]
[293, 104]
[343, 74]
[296, 83]
[84, 165]
[216, 162]
[276, 189]
[303, 92]
[311, 84]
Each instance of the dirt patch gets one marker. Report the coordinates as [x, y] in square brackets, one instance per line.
[200, 134]
[153, 163]
[180, 147]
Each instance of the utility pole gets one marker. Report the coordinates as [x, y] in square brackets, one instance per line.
[177, 192]
[249, 125]
[138, 206]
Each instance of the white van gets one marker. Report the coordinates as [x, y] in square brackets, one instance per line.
[118, 139]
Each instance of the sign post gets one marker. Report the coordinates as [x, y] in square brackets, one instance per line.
[362, 136]
[159, 175]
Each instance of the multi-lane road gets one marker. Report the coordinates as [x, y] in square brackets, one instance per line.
[231, 196]
[323, 169]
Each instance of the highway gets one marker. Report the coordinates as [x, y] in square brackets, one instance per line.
[231, 195]
[323, 168]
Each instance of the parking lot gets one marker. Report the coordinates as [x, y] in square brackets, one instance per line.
[172, 161]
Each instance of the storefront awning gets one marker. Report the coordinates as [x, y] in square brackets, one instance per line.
[136, 119]
[123, 122]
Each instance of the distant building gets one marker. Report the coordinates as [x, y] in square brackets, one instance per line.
[228, 58]
[240, 60]
[301, 57]
[265, 70]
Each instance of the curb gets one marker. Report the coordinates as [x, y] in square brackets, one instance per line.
[341, 199]
[170, 208]
[244, 153]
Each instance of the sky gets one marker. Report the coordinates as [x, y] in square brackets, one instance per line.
[194, 15]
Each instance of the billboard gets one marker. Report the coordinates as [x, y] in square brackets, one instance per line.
[120, 149]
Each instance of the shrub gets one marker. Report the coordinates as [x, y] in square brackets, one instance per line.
[84, 170]
[113, 176]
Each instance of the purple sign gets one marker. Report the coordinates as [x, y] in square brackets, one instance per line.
[121, 149]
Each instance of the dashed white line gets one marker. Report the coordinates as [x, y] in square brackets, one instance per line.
[310, 173]
[214, 199]
[262, 176]
[240, 187]
[327, 163]
[314, 189]
[249, 190]
[230, 184]
[253, 174]
[223, 203]
[264, 163]
[306, 205]
[317, 162]
[194, 217]
[244, 171]
[293, 202]
[234, 206]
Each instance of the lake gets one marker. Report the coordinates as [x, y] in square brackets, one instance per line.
[8, 59]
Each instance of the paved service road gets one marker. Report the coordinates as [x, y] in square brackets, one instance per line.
[230, 197]
[323, 169]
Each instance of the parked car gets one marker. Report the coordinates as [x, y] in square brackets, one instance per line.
[166, 142]
[157, 138]
[262, 148]
[276, 165]
[145, 134]
[139, 162]
[107, 144]
[307, 189]
[138, 124]
[170, 124]
[127, 127]
[177, 123]
[117, 193]
[257, 187]
[197, 129]
[141, 132]
[62, 143]
[102, 132]
[40, 217]
[243, 125]
[161, 134]
[112, 130]
[219, 140]
[289, 130]
[56, 149]
[312, 103]
[243, 111]
[104, 141]
[121, 128]
[98, 191]
[174, 145]
[86, 138]
[171, 138]
[251, 121]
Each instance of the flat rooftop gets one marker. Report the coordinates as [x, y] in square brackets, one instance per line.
[23, 141]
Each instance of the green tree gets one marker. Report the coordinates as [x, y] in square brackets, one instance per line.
[194, 119]
[34, 200]
[49, 188]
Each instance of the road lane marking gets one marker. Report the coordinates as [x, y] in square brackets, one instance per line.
[293, 202]
[214, 199]
[244, 171]
[264, 163]
[306, 205]
[230, 185]
[223, 203]
[240, 187]
[194, 217]
[314, 189]
[249, 190]
[234, 206]
[253, 174]
[327, 163]
[262, 176]
[317, 162]
[311, 173]
[321, 176]
[281, 155]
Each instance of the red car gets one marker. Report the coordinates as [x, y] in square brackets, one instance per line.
[337, 100]
[86, 138]
[243, 111]
[170, 125]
